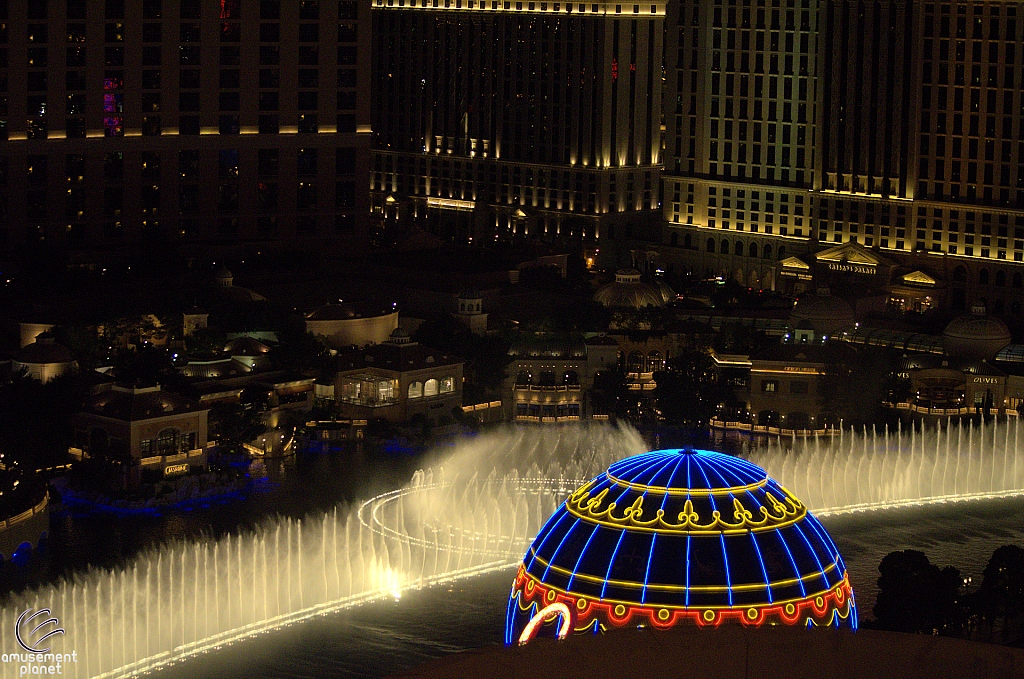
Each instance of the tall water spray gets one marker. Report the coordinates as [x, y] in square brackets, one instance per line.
[474, 514]
[874, 469]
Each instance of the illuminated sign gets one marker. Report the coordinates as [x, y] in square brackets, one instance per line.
[172, 469]
[985, 380]
[868, 269]
[451, 204]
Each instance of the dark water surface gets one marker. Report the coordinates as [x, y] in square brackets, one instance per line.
[82, 536]
[378, 639]
[383, 637]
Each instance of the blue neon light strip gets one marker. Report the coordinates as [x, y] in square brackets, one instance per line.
[688, 538]
[554, 554]
[814, 553]
[764, 571]
[594, 533]
[580, 559]
[650, 557]
[535, 549]
[728, 578]
[611, 562]
[796, 571]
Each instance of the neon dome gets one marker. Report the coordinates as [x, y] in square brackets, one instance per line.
[679, 536]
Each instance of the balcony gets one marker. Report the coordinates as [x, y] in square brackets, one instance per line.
[547, 388]
[548, 419]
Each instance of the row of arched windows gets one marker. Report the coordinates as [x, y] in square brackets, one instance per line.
[960, 275]
[751, 250]
[431, 387]
[637, 362]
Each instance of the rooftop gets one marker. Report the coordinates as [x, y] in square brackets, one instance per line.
[131, 404]
[394, 357]
[343, 311]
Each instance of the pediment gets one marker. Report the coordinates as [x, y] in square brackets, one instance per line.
[850, 253]
[919, 278]
[795, 263]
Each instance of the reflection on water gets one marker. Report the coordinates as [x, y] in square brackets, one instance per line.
[293, 487]
[381, 638]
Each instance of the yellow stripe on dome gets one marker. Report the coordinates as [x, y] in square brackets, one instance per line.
[664, 490]
[782, 513]
[782, 602]
[753, 587]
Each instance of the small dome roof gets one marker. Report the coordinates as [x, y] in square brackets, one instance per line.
[44, 350]
[825, 313]
[246, 346]
[667, 293]
[399, 336]
[681, 536]
[470, 293]
[224, 272]
[629, 291]
[975, 335]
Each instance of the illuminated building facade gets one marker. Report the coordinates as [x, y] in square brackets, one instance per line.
[674, 537]
[163, 434]
[802, 124]
[551, 377]
[399, 381]
[517, 117]
[183, 121]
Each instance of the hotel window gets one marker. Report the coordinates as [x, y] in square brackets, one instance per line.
[305, 195]
[266, 194]
[270, 9]
[416, 390]
[447, 385]
[770, 386]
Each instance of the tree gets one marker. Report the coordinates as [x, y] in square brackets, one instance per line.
[232, 424]
[857, 384]
[611, 394]
[301, 350]
[1000, 599]
[689, 390]
[35, 419]
[85, 344]
[486, 356]
[915, 595]
[205, 342]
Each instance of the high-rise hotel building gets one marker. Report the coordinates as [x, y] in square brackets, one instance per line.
[196, 121]
[530, 117]
[867, 135]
